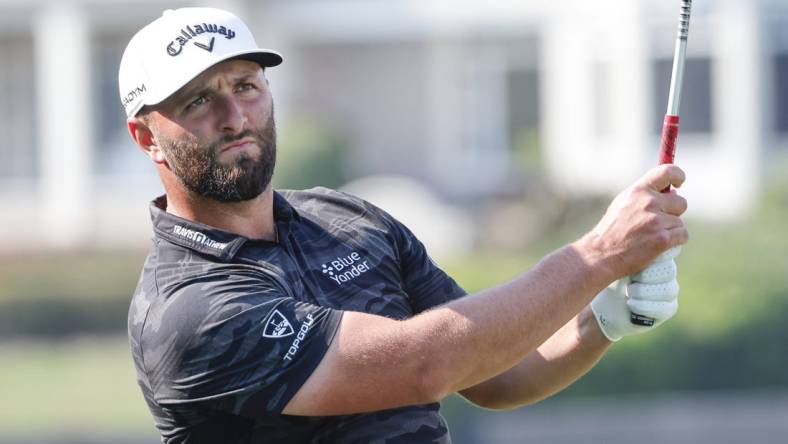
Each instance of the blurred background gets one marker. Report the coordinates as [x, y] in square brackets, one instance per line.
[496, 130]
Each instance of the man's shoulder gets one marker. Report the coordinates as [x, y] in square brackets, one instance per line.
[181, 290]
[322, 196]
[327, 203]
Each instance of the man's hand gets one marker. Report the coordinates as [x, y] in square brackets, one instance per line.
[653, 292]
[640, 224]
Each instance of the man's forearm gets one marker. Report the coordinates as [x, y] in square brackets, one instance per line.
[565, 357]
[451, 347]
[487, 333]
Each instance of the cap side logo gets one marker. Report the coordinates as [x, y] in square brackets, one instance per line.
[277, 326]
[133, 95]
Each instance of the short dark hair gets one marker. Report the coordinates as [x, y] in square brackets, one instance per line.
[144, 115]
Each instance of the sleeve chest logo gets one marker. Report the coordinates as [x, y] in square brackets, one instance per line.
[277, 326]
[344, 269]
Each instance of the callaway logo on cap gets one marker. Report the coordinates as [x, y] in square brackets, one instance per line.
[175, 48]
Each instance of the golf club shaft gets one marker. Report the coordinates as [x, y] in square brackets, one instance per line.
[670, 126]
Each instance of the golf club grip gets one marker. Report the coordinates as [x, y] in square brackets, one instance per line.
[667, 147]
[667, 152]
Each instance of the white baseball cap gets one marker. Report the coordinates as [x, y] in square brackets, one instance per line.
[176, 47]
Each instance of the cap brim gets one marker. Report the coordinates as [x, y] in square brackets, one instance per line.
[265, 58]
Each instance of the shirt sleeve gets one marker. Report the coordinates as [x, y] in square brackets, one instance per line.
[233, 341]
[426, 284]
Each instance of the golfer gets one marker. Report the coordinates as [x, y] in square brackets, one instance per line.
[315, 317]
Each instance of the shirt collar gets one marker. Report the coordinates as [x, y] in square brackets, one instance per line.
[283, 211]
[205, 238]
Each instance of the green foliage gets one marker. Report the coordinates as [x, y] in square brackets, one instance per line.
[310, 154]
[88, 276]
[730, 331]
[58, 295]
[527, 150]
[82, 387]
[59, 316]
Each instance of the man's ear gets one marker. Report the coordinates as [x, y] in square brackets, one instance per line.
[141, 132]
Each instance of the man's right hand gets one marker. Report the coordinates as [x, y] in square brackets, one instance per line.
[640, 224]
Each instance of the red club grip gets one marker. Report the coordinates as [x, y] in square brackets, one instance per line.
[667, 148]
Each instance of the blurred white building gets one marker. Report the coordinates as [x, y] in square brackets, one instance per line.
[452, 93]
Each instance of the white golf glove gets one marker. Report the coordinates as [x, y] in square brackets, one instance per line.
[649, 297]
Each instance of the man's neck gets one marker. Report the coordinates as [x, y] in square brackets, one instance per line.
[252, 218]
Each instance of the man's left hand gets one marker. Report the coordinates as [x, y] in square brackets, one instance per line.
[653, 293]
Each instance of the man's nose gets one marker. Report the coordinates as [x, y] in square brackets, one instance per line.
[232, 117]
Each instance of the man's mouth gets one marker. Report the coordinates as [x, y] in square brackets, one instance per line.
[239, 145]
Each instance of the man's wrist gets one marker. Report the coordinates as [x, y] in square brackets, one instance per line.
[590, 330]
[591, 251]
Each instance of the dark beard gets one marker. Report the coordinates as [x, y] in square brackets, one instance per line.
[198, 167]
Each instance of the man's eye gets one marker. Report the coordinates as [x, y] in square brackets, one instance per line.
[196, 102]
[246, 86]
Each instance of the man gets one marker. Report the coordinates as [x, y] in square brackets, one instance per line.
[313, 316]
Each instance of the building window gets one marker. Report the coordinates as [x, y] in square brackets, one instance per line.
[781, 93]
[696, 109]
[603, 93]
[503, 118]
[523, 113]
[18, 144]
[116, 153]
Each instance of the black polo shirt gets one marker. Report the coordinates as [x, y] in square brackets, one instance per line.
[224, 330]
